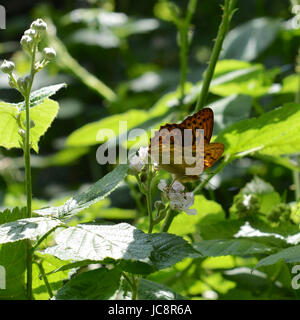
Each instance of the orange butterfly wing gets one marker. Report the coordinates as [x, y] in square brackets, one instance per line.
[203, 119]
[212, 153]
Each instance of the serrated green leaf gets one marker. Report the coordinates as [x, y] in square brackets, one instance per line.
[230, 110]
[28, 228]
[98, 284]
[248, 40]
[289, 255]
[276, 132]
[42, 115]
[235, 247]
[98, 191]
[99, 242]
[149, 290]
[37, 97]
[220, 230]
[13, 260]
[8, 126]
[170, 249]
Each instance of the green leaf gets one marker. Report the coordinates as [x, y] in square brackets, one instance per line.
[61, 158]
[290, 84]
[276, 132]
[225, 229]
[250, 39]
[149, 290]
[170, 249]
[101, 189]
[103, 38]
[13, 260]
[9, 137]
[99, 242]
[289, 255]
[267, 196]
[98, 284]
[230, 110]
[235, 247]
[254, 81]
[28, 228]
[37, 97]
[207, 211]
[42, 115]
[90, 134]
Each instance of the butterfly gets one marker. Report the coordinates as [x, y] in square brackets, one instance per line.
[167, 143]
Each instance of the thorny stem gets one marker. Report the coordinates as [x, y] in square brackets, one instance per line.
[229, 9]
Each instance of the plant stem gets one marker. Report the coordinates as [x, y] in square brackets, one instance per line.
[27, 146]
[170, 216]
[43, 274]
[229, 9]
[43, 238]
[149, 198]
[132, 285]
[134, 288]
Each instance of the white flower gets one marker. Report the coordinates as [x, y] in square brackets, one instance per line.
[136, 163]
[177, 186]
[179, 200]
[162, 186]
[143, 153]
[182, 201]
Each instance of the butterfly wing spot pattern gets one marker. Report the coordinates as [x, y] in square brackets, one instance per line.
[167, 146]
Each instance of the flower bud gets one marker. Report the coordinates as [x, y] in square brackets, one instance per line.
[7, 66]
[23, 84]
[49, 53]
[30, 32]
[39, 25]
[26, 42]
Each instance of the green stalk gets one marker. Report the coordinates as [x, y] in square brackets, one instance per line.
[168, 221]
[229, 9]
[27, 146]
[43, 274]
[149, 198]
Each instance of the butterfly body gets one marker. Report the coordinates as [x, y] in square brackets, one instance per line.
[171, 141]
